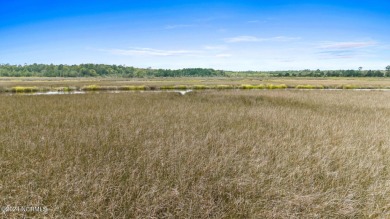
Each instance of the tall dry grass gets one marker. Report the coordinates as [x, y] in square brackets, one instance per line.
[217, 154]
[42, 83]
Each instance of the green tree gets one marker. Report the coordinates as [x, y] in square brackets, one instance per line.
[387, 70]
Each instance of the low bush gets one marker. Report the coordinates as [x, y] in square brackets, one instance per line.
[350, 86]
[167, 87]
[132, 88]
[91, 88]
[20, 89]
[309, 86]
[276, 86]
[181, 87]
[200, 87]
[247, 86]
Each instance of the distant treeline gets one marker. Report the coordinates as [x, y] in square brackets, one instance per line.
[94, 70]
[316, 73]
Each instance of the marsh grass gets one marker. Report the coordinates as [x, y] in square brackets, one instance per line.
[105, 84]
[167, 87]
[200, 87]
[112, 88]
[260, 86]
[132, 87]
[68, 89]
[350, 86]
[276, 86]
[224, 86]
[174, 87]
[247, 86]
[20, 89]
[216, 154]
[92, 87]
[181, 87]
[308, 86]
[291, 82]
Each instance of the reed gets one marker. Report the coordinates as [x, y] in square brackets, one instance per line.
[20, 89]
[216, 154]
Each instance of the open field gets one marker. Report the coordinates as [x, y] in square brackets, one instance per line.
[45, 84]
[216, 154]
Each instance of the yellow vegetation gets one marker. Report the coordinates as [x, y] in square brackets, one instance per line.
[216, 154]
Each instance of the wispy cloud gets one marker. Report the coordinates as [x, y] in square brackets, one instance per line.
[176, 26]
[152, 52]
[223, 55]
[216, 47]
[219, 51]
[337, 50]
[257, 21]
[240, 39]
[336, 54]
[347, 45]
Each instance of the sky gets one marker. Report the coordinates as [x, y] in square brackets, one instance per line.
[235, 35]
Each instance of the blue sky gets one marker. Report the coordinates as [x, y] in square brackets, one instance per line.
[228, 35]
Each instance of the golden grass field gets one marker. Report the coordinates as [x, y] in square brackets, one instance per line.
[6, 84]
[207, 154]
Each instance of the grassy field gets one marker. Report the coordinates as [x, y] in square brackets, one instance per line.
[215, 154]
[45, 84]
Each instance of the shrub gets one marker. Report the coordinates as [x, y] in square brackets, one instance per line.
[276, 86]
[91, 88]
[68, 89]
[20, 89]
[246, 86]
[249, 86]
[200, 87]
[132, 88]
[350, 86]
[167, 87]
[181, 87]
[260, 86]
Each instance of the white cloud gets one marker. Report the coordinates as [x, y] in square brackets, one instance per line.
[242, 39]
[207, 51]
[347, 45]
[336, 50]
[152, 52]
[216, 47]
[223, 55]
[239, 39]
[283, 39]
